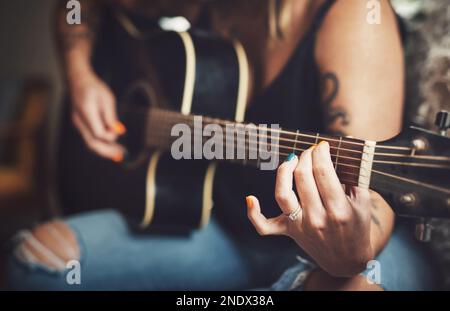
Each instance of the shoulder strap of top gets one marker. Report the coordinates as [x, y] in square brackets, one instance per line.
[321, 14]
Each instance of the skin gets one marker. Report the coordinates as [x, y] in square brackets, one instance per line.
[55, 238]
[93, 104]
[331, 226]
[362, 97]
[380, 86]
[362, 94]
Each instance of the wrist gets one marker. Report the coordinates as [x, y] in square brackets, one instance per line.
[360, 264]
[77, 67]
[353, 265]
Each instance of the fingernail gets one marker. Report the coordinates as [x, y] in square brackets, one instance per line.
[249, 201]
[323, 142]
[118, 158]
[120, 128]
[290, 157]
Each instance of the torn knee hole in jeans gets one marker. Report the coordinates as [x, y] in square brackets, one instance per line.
[49, 246]
[295, 277]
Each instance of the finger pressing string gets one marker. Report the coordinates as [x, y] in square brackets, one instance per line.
[284, 193]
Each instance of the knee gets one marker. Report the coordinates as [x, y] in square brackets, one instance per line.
[51, 246]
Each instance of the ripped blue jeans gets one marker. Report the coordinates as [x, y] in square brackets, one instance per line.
[404, 264]
[115, 258]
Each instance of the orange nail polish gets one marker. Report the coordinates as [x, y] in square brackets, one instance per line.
[118, 158]
[249, 201]
[120, 128]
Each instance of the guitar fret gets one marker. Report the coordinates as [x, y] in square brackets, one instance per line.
[246, 147]
[345, 152]
[295, 142]
[337, 153]
[366, 163]
[317, 138]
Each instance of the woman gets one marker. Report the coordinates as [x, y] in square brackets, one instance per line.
[317, 65]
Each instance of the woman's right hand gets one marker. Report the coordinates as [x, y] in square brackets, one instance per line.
[94, 115]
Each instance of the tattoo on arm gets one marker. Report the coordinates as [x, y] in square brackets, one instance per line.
[336, 118]
[374, 217]
[70, 35]
[70, 39]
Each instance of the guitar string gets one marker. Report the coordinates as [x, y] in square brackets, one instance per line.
[425, 165]
[179, 116]
[344, 180]
[236, 147]
[259, 143]
[437, 188]
[189, 118]
[433, 187]
[219, 121]
[338, 172]
[285, 154]
[175, 116]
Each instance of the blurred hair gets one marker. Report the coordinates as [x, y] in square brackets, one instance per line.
[428, 62]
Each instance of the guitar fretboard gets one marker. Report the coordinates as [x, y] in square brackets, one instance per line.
[347, 154]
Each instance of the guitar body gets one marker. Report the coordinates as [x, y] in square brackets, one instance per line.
[192, 73]
[163, 79]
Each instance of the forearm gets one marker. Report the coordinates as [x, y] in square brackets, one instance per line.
[338, 122]
[382, 222]
[382, 216]
[75, 42]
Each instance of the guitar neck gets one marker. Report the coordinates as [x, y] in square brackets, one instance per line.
[249, 144]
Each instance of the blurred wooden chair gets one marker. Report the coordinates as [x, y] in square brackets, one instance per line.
[22, 110]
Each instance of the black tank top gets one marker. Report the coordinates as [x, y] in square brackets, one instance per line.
[293, 102]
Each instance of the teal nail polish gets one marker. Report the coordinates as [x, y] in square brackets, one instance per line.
[290, 157]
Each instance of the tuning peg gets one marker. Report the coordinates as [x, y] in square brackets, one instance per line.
[442, 121]
[423, 230]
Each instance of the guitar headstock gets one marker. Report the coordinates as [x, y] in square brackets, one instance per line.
[412, 172]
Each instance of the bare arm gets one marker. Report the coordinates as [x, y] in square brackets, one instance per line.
[362, 72]
[93, 102]
[75, 41]
[362, 91]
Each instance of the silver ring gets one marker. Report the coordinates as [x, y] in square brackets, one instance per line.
[293, 216]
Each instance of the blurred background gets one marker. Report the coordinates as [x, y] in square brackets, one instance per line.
[31, 86]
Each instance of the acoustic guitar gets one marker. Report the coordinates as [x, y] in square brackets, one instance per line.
[170, 78]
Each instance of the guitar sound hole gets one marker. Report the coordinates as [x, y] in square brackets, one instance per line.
[134, 116]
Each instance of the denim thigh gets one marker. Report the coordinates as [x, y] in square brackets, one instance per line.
[115, 258]
[404, 264]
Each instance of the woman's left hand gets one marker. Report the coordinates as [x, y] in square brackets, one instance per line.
[332, 226]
